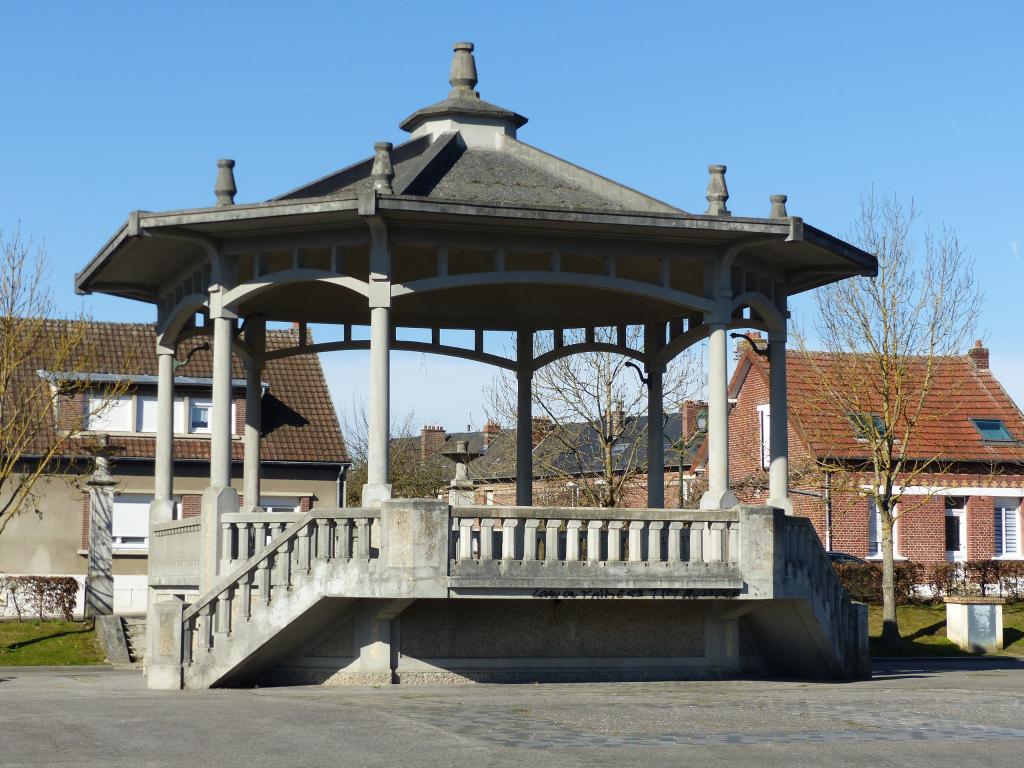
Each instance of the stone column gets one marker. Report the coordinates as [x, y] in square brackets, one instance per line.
[162, 508]
[255, 336]
[524, 418]
[655, 417]
[99, 580]
[220, 418]
[219, 498]
[377, 487]
[778, 472]
[718, 495]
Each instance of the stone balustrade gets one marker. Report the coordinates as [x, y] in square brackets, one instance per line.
[627, 548]
[264, 567]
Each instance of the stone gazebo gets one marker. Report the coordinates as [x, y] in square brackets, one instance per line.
[465, 227]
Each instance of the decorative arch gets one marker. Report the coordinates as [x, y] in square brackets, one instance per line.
[575, 349]
[770, 314]
[255, 287]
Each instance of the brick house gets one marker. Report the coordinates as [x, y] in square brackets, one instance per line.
[303, 455]
[558, 472]
[973, 433]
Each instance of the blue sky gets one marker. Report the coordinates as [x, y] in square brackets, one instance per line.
[113, 106]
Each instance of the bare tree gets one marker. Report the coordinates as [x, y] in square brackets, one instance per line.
[413, 475]
[893, 331]
[594, 438]
[45, 362]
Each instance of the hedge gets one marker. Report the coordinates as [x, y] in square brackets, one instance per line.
[915, 582]
[40, 596]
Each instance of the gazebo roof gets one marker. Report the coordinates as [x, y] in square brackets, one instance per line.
[465, 176]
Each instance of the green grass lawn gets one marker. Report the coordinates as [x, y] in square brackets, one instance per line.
[36, 643]
[923, 629]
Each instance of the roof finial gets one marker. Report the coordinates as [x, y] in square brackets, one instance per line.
[463, 73]
[382, 172]
[778, 207]
[718, 193]
[224, 188]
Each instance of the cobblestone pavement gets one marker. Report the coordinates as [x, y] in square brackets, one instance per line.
[931, 714]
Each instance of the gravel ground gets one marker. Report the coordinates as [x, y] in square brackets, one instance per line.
[914, 713]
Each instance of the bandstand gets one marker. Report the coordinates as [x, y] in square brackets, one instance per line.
[465, 227]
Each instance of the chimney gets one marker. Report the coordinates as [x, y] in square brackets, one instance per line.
[618, 418]
[979, 354]
[688, 412]
[491, 430]
[431, 441]
[542, 426]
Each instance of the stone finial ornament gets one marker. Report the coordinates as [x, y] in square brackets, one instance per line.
[778, 207]
[463, 73]
[383, 172]
[225, 188]
[718, 193]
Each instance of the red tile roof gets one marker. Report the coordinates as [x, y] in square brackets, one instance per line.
[299, 420]
[960, 391]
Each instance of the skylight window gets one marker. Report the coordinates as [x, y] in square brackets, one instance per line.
[993, 430]
[867, 424]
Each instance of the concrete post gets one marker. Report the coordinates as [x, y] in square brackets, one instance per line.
[163, 470]
[99, 580]
[718, 495]
[220, 419]
[255, 336]
[163, 669]
[778, 472]
[377, 487]
[524, 418]
[220, 498]
[655, 417]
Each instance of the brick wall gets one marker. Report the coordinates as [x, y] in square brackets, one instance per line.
[239, 416]
[981, 531]
[70, 412]
[191, 505]
[922, 529]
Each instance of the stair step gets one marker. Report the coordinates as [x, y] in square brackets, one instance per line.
[135, 637]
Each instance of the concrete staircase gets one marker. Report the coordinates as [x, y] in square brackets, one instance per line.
[135, 638]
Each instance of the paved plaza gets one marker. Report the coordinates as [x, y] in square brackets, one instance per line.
[912, 714]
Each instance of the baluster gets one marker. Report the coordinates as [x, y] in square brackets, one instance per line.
[716, 541]
[223, 614]
[551, 539]
[343, 539]
[615, 540]
[697, 542]
[675, 554]
[654, 529]
[594, 540]
[530, 539]
[508, 538]
[362, 534]
[283, 557]
[323, 538]
[302, 550]
[487, 539]
[226, 543]
[572, 540]
[187, 632]
[636, 530]
[263, 580]
[206, 627]
[733, 546]
[259, 536]
[465, 538]
[453, 537]
[244, 586]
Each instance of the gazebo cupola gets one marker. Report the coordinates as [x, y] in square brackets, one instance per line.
[464, 226]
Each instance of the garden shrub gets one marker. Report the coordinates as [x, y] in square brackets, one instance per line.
[41, 596]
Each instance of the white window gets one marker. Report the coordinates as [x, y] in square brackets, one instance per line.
[764, 427]
[875, 533]
[109, 414]
[1007, 528]
[956, 528]
[489, 498]
[280, 503]
[130, 526]
[145, 414]
[199, 415]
